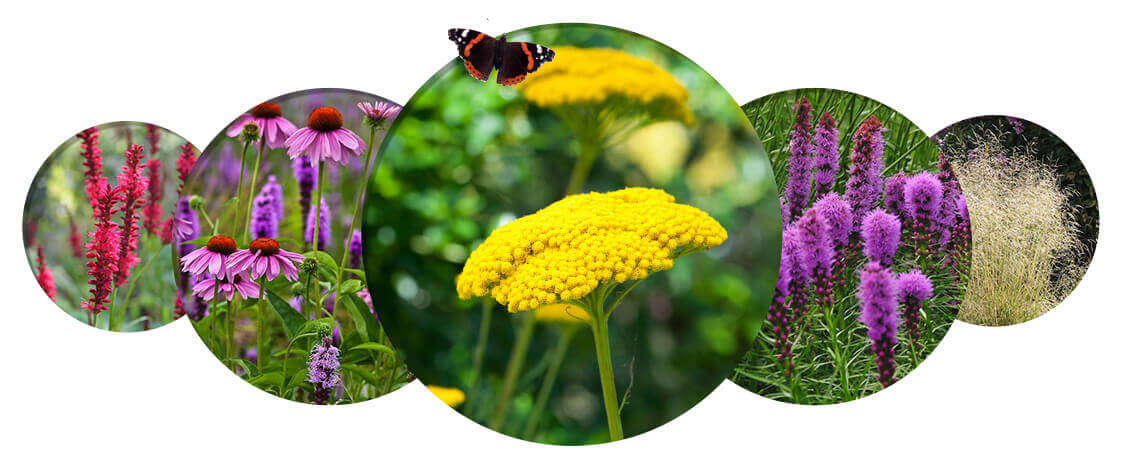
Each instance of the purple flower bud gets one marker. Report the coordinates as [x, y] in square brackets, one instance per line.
[838, 214]
[881, 234]
[354, 247]
[878, 310]
[335, 338]
[797, 189]
[913, 290]
[864, 185]
[324, 224]
[323, 369]
[826, 159]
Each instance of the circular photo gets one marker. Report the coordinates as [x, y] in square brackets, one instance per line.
[875, 252]
[99, 224]
[1035, 217]
[270, 252]
[580, 257]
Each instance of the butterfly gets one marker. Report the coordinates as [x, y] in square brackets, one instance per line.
[513, 61]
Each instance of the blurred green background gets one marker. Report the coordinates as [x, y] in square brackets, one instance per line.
[466, 156]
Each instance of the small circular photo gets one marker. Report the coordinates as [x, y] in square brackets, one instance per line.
[582, 256]
[270, 253]
[875, 248]
[1035, 217]
[99, 223]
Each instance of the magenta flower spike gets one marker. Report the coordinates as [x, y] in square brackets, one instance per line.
[913, 290]
[264, 258]
[864, 185]
[325, 139]
[268, 117]
[131, 186]
[797, 190]
[878, 310]
[825, 162]
[923, 193]
[102, 251]
[881, 235]
[815, 244]
[92, 163]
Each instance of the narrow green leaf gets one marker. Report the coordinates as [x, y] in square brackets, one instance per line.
[371, 346]
[362, 372]
[292, 320]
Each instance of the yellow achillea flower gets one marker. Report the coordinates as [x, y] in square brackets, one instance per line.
[450, 396]
[566, 250]
[582, 76]
[562, 314]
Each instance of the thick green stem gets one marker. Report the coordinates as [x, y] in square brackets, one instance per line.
[354, 219]
[515, 364]
[588, 152]
[606, 371]
[261, 318]
[548, 381]
[486, 308]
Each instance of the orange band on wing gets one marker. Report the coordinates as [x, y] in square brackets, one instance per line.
[468, 47]
[531, 61]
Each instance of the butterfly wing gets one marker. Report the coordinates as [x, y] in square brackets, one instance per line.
[519, 59]
[477, 49]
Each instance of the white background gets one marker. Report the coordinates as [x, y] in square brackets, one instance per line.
[1054, 391]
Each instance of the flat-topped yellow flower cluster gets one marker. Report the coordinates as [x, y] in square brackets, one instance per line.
[580, 76]
[566, 250]
[562, 314]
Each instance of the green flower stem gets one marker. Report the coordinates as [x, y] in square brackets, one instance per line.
[606, 370]
[139, 274]
[318, 209]
[515, 364]
[252, 189]
[240, 185]
[549, 380]
[112, 322]
[354, 218]
[261, 318]
[212, 225]
[590, 143]
[486, 308]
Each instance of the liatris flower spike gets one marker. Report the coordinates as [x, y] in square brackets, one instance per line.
[304, 173]
[264, 221]
[185, 225]
[837, 213]
[227, 287]
[825, 163]
[913, 289]
[894, 195]
[881, 234]
[354, 248]
[379, 114]
[878, 310]
[324, 229]
[923, 202]
[269, 120]
[272, 188]
[815, 244]
[778, 314]
[264, 257]
[325, 139]
[864, 186]
[323, 369]
[797, 190]
[214, 258]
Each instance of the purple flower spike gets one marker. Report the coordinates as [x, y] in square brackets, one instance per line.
[785, 214]
[305, 179]
[838, 214]
[265, 221]
[826, 159]
[797, 190]
[324, 224]
[923, 205]
[878, 310]
[323, 370]
[272, 188]
[881, 234]
[913, 289]
[354, 247]
[864, 186]
[779, 316]
[894, 196]
[815, 244]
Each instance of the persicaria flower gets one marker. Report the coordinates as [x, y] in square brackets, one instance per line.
[379, 113]
[102, 250]
[913, 290]
[76, 240]
[564, 251]
[152, 213]
[43, 274]
[825, 162]
[227, 287]
[212, 258]
[323, 369]
[324, 228]
[264, 257]
[132, 186]
[270, 122]
[797, 189]
[325, 139]
[153, 137]
[864, 185]
[878, 310]
[881, 234]
[185, 162]
[92, 163]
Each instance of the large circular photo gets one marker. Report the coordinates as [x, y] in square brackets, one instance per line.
[580, 257]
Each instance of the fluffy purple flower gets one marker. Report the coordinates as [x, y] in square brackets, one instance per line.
[354, 247]
[864, 185]
[913, 289]
[324, 224]
[881, 234]
[778, 315]
[923, 205]
[825, 162]
[818, 251]
[273, 189]
[797, 189]
[838, 214]
[265, 221]
[305, 179]
[894, 195]
[878, 310]
[323, 369]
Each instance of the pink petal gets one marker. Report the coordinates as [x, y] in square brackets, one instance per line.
[238, 126]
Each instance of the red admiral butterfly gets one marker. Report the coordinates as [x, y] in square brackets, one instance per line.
[512, 60]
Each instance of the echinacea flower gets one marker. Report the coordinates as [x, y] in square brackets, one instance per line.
[864, 185]
[325, 139]
[226, 286]
[265, 258]
[323, 369]
[379, 113]
[878, 310]
[881, 235]
[214, 258]
[453, 397]
[913, 290]
[797, 189]
[825, 162]
[324, 228]
[132, 186]
[269, 119]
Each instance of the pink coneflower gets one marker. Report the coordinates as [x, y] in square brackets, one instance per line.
[227, 287]
[379, 113]
[274, 128]
[132, 186]
[185, 162]
[92, 163]
[43, 274]
[151, 214]
[264, 257]
[214, 258]
[102, 251]
[324, 138]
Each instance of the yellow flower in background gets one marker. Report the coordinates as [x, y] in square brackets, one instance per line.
[450, 396]
[561, 314]
[566, 250]
[658, 149]
[579, 77]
